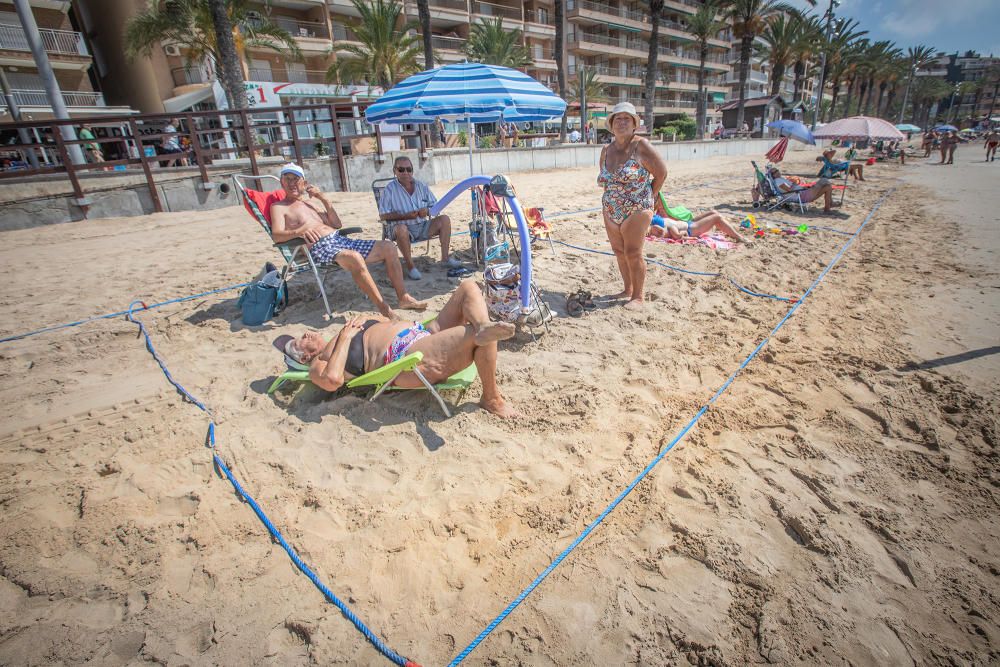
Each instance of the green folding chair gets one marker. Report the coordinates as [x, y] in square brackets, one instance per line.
[381, 379]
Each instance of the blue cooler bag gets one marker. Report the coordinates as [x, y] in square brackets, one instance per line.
[263, 299]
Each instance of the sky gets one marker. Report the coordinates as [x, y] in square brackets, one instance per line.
[949, 26]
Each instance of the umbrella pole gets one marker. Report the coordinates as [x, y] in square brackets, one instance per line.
[847, 175]
[471, 138]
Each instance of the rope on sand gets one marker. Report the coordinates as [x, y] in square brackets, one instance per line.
[711, 274]
[127, 311]
[669, 446]
[275, 533]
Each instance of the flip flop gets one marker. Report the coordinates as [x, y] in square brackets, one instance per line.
[574, 307]
[458, 272]
[587, 300]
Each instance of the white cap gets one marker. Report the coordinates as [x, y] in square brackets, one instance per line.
[292, 168]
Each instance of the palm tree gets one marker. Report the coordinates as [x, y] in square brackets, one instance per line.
[489, 43]
[838, 49]
[703, 26]
[749, 18]
[926, 91]
[919, 57]
[655, 9]
[560, 69]
[386, 54]
[807, 46]
[229, 59]
[424, 17]
[779, 37]
[191, 25]
[895, 73]
[963, 89]
[586, 89]
[992, 74]
[893, 68]
[855, 58]
[875, 60]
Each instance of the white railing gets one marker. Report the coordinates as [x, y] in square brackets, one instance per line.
[54, 41]
[448, 43]
[38, 98]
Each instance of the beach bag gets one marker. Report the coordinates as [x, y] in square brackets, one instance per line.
[503, 297]
[263, 299]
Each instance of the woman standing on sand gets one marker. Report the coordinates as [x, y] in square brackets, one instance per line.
[632, 173]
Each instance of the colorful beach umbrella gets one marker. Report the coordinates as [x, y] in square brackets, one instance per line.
[907, 127]
[946, 128]
[859, 128]
[793, 129]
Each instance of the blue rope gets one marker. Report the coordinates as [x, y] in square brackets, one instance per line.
[275, 533]
[680, 270]
[645, 471]
[120, 312]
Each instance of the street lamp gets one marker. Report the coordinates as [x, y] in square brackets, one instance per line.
[822, 68]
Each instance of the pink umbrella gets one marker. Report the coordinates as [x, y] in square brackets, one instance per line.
[859, 128]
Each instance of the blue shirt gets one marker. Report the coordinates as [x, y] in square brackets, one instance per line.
[395, 199]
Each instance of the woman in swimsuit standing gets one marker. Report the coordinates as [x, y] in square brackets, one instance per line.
[631, 173]
[461, 334]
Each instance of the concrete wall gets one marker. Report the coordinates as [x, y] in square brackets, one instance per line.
[187, 194]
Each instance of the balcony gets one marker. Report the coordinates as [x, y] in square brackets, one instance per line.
[38, 98]
[290, 76]
[492, 10]
[343, 34]
[188, 76]
[448, 43]
[633, 47]
[753, 76]
[306, 29]
[62, 42]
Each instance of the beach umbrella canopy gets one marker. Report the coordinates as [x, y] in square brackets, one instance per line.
[907, 127]
[793, 129]
[946, 128]
[777, 152]
[859, 128]
[473, 92]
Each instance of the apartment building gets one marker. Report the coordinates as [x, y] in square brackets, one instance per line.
[68, 54]
[978, 103]
[613, 38]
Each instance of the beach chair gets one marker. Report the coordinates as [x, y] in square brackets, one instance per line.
[378, 187]
[772, 196]
[381, 379]
[295, 252]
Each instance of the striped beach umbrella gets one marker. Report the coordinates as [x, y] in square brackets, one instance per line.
[473, 92]
[777, 152]
[470, 92]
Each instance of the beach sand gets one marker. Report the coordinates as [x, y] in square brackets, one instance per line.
[837, 504]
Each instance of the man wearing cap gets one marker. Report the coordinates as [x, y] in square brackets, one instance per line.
[406, 203]
[305, 213]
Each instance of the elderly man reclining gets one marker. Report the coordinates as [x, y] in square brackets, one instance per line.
[460, 335]
[821, 188]
[296, 216]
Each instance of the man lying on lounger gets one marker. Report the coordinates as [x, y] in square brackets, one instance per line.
[821, 188]
[460, 335]
[305, 213]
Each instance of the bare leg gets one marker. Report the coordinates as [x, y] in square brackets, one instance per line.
[618, 247]
[385, 251]
[633, 232]
[441, 226]
[402, 236]
[485, 357]
[352, 262]
[714, 220]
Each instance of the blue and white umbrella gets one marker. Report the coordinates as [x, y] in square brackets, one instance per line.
[473, 92]
[793, 129]
[946, 128]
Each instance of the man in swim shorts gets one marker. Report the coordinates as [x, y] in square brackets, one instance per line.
[306, 213]
[992, 141]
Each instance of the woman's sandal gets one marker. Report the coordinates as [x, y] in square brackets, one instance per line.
[574, 305]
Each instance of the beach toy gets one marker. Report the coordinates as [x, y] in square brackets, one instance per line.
[803, 228]
[659, 221]
[759, 232]
[775, 230]
[745, 224]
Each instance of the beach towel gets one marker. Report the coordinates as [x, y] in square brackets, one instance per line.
[676, 212]
[713, 241]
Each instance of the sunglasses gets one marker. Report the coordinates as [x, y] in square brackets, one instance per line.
[405, 170]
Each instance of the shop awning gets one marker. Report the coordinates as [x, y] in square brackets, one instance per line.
[185, 101]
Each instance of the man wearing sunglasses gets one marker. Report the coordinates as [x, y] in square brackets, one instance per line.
[406, 204]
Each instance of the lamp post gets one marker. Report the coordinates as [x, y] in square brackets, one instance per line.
[906, 93]
[822, 68]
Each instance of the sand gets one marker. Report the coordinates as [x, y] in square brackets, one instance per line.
[837, 504]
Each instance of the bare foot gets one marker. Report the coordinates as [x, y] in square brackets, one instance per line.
[409, 303]
[499, 407]
[636, 304]
[387, 312]
[494, 331]
[625, 294]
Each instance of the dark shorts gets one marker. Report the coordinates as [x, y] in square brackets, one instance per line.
[325, 250]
